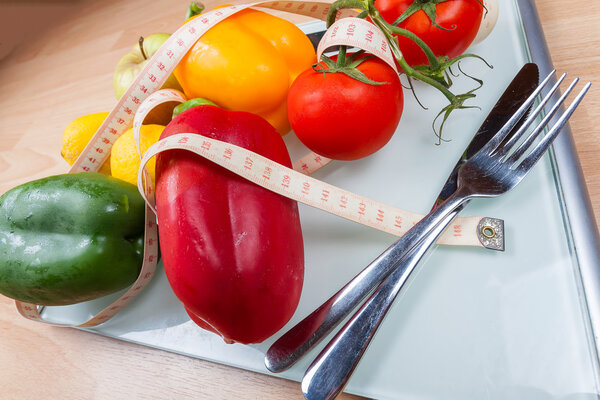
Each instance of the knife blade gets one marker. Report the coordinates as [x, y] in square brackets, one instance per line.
[522, 85]
[296, 342]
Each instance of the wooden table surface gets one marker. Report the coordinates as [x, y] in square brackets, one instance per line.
[61, 68]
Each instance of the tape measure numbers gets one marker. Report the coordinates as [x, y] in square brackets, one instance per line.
[144, 94]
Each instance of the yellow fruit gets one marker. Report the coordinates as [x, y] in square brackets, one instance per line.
[77, 135]
[124, 159]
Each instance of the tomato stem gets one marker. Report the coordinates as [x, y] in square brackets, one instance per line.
[435, 73]
[411, 72]
[343, 4]
[428, 7]
[347, 65]
[341, 61]
[389, 31]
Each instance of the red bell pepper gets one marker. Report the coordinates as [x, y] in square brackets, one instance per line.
[232, 250]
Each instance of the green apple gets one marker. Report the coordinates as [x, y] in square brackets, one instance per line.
[132, 63]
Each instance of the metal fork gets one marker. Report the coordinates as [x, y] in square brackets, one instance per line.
[498, 167]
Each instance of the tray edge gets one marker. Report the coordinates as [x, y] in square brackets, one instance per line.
[584, 231]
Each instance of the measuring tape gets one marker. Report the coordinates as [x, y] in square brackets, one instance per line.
[357, 32]
[288, 182]
[144, 94]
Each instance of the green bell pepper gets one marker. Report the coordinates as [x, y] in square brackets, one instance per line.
[70, 238]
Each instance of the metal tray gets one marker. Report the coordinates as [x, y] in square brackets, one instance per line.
[472, 323]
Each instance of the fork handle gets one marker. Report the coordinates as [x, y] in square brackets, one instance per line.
[330, 371]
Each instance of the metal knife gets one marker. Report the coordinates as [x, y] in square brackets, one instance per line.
[333, 367]
[295, 343]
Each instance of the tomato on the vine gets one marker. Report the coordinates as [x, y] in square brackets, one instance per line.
[342, 118]
[459, 21]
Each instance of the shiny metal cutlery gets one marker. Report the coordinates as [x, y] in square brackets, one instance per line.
[311, 330]
[496, 168]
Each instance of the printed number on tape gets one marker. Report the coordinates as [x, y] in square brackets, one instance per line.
[144, 94]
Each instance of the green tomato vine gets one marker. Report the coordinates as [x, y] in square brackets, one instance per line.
[437, 73]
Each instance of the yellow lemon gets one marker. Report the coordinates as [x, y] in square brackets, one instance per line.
[77, 135]
[124, 159]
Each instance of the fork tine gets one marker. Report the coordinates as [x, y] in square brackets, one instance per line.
[510, 143]
[540, 127]
[493, 143]
[547, 140]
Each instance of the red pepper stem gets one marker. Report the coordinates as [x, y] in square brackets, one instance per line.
[190, 104]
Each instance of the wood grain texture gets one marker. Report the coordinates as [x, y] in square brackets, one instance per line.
[572, 34]
[62, 69]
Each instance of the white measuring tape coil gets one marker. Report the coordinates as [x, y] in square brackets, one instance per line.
[288, 182]
[296, 185]
[359, 33]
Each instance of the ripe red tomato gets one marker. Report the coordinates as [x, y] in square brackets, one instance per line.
[342, 118]
[461, 18]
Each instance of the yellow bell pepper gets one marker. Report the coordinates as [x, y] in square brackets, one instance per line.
[247, 63]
